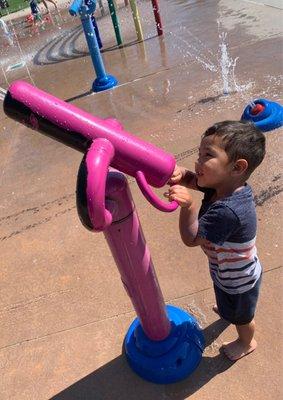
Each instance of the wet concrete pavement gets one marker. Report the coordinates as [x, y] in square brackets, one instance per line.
[64, 312]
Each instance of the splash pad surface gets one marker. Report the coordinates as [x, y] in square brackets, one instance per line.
[61, 323]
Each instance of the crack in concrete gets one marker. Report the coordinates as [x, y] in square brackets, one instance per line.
[267, 194]
[45, 220]
[36, 209]
[27, 303]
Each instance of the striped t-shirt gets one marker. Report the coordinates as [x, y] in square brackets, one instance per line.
[229, 225]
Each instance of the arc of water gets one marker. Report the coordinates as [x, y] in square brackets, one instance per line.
[184, 28]
[20, 49]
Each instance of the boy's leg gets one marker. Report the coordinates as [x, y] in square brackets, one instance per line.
[54, 3]
[245, 343]
[45, 5]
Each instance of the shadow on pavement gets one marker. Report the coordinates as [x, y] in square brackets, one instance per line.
[115, 380]
[66, 47]
[60, 49]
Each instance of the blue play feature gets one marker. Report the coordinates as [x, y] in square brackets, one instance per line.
[75, 7]
[169, 360]
[268, 118]
[85, 9]
[104, 83]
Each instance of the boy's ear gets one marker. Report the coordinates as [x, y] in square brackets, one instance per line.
[240, 166]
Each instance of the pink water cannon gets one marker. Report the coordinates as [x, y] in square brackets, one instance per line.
[164, 344]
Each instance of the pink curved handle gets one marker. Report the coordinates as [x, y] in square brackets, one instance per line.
[98, 159]
[152, 197]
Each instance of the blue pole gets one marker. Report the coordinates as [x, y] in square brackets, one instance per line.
[93, 47]
[96, 30]
[103, 80]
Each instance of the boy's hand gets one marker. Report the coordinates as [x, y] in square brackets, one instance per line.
[177, 175]
[181, 195]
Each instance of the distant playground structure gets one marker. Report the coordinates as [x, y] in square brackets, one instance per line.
[136, 18]
[8, 7]
[18, 26]
[85, 9]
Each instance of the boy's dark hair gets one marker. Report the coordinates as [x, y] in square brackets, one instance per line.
[241, 139]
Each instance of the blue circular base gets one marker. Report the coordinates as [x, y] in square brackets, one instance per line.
[107, 82]
[169, 360]
[271, 117]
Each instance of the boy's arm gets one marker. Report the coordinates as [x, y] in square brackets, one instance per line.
[215, 226]
[190, 180]
[188, 226]
[188, 221]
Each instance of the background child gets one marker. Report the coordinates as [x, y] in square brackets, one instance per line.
[225, 226]
[35, 12]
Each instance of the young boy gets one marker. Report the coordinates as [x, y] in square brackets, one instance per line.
[225, 226]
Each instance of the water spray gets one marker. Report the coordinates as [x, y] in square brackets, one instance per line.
[7, 33]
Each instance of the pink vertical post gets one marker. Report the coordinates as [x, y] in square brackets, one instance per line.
[163, 344]
[131, 254]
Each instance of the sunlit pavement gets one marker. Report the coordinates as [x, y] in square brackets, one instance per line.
[64, 311]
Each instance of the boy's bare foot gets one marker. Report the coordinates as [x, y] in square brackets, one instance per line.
[237, 349]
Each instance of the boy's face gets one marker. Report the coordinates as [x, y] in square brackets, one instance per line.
[212, 167]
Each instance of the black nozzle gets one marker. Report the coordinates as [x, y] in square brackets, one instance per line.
[20, 112]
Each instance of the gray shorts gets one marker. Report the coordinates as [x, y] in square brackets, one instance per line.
[239, 309]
